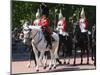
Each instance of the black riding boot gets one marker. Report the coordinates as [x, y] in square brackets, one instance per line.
[49, 42]
[48, 38]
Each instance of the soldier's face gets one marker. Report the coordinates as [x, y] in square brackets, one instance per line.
[44, 16]
[82, 16]
[37, 16]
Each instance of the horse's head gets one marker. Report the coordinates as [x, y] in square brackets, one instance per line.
[26, 34]
[29, 34]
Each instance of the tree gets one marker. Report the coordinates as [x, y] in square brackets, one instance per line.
[26, 11]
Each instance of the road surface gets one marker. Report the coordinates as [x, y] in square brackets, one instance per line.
[20, 66]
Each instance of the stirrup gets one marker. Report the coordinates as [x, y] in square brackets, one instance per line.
[52, 39]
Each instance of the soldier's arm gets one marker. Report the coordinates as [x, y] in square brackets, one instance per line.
[33, 23]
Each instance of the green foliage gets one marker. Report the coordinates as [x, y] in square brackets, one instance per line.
[27, 10]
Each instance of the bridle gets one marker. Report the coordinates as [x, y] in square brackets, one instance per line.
[30, 34]
[39, 39]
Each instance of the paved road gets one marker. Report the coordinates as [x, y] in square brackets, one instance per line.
[21, 66]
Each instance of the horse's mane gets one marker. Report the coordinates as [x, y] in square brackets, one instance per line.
[35, 28]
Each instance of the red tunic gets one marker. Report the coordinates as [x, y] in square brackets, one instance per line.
[44, 22]
[64, 26]
[33, 23]
[85, 22]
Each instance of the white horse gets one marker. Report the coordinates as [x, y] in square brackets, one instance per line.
[33, 35]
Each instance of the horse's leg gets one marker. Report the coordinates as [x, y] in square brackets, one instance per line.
[37, 60]
[41, 57]
[92, 54]
[59, 47]
[33, 57]
[45, 61]
[58, 52]
[88, 47]
[54, 53]
[54, 65]
[36, 55]
[54, 59]
[50, 64]
[92, 51]
[69, 55]
[58, 61]
[82, 55]
[64, 56]
[69, 51]
[74, 56]
[54, 56]
[88, 56]
[29, 63]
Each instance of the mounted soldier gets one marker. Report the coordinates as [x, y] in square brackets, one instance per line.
[37, 20]
[62, 24]
[62, 27]
[45, 25]
[83, 23]
[61, 30]
[84, 39]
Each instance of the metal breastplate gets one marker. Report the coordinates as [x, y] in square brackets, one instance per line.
[60, 27]
[82, 25]
[37, 22]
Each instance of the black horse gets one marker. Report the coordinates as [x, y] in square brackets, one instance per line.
[65, 46]
[82, 41]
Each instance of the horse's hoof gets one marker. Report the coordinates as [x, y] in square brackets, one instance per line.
[44, 67]
[60, 62]
[50, 68]
[74, 63]
[68, 63]
[94, 64]
[64, 62]
[55, 67]
[87, 62]
[81, 63]
[37, 70]
[28, 66]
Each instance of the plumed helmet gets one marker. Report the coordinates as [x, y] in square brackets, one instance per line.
[38, 13]
[82, 15]
[45, 9]
[60, 15]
